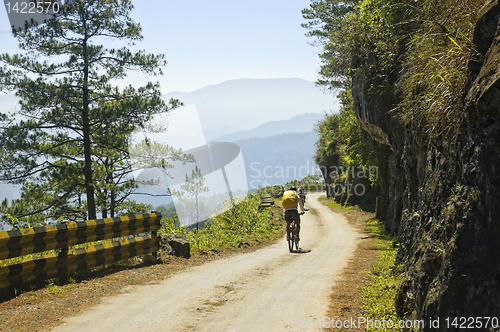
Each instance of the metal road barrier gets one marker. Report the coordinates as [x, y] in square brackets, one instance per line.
[267, 201]
[140, 231]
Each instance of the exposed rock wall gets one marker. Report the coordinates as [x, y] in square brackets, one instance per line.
[442, 196]
[388, 133]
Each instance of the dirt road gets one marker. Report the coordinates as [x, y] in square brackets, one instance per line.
[266, 290]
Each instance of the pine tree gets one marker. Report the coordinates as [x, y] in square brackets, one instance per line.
[192, 188]
[69, 105]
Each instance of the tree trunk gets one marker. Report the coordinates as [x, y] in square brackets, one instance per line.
[197, 214]
[87, 170]
[104, 208]
[112, 207]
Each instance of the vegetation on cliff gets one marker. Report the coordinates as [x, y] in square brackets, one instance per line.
[345, 154]
[341, 139]
[421, 48]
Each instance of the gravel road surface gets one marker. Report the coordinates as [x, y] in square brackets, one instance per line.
[269, 289]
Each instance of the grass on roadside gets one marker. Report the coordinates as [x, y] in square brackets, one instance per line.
[379, 293]
[338, 206]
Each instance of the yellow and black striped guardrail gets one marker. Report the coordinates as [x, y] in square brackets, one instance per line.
[266, 201]
[17, 243]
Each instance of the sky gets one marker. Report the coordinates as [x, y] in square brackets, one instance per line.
[209, 42]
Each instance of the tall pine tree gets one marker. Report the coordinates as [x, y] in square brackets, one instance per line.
[69, 105]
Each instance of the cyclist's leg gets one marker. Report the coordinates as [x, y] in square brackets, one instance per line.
[297, 223]
[301, 205]
[287, 225]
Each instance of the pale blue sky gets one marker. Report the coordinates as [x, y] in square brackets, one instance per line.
[208, 42]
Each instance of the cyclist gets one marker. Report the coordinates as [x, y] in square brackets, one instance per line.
[290, 203]
[302, 200]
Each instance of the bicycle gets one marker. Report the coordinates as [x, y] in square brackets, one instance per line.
[292, 236]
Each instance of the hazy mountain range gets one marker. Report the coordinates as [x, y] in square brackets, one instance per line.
[277, 151]
[298, 124]
[278, 159]
[244, 104]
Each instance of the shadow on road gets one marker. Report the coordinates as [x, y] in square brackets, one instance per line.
[301, 251]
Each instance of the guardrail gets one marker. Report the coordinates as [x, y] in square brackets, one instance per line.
[266, 201]
[22, 242]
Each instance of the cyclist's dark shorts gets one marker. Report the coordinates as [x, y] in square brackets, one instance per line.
[293, 213]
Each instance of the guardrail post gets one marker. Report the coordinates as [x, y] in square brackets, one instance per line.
[65, 250]
[377, 207]
[154, 236]
[63, 254]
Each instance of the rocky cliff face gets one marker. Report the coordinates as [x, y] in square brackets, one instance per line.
[442, 195]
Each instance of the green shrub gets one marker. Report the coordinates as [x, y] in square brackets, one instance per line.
[241, 222]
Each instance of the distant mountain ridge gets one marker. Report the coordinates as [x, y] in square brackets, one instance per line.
[244, 104]
[298, 124]
[278, 159]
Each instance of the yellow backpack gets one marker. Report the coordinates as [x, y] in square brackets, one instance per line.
[289, 200]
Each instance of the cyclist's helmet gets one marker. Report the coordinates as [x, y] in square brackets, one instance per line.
[293, 188]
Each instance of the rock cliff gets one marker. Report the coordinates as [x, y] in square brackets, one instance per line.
[441, 195]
